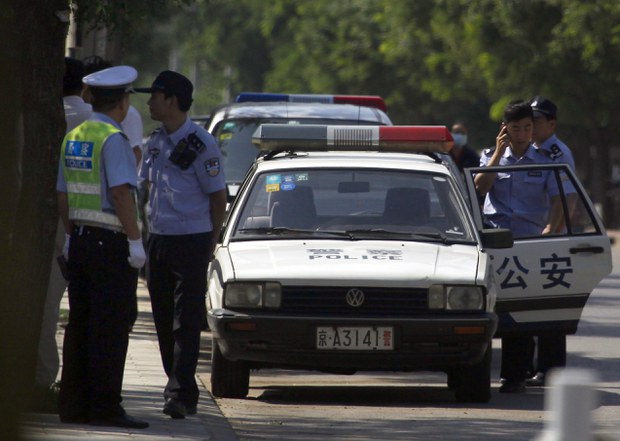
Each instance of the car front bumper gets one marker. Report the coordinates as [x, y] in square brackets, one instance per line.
[428, 342]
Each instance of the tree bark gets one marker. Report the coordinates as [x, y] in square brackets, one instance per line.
[32, 126]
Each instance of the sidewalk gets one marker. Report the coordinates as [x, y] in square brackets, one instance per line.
[143, 386]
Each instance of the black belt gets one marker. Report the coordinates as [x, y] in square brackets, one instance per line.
[80, 229]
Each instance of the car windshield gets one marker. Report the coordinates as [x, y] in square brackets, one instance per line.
[234, 137]
[354, 204]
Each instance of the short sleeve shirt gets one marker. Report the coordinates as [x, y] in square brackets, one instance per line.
[557, 151]
[179, 199]
[132, 127]
[520, 200]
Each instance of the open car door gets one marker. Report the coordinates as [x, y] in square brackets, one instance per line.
[544, 281]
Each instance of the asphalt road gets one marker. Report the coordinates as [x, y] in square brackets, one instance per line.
[296, 405]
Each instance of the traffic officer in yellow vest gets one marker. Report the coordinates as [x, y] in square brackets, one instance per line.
[96, 201]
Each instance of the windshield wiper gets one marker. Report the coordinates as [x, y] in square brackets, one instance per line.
[353, 234]
[273, 230]
[378, 232]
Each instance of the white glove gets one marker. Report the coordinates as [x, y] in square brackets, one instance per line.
[137, 256]
[65, 248]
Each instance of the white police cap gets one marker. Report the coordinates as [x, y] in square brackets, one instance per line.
[117, 77]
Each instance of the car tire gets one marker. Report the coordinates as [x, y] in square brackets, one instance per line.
[453, 378]
[229, 379]
[473, 383]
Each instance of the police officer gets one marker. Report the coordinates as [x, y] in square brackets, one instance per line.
[183, 167]
[551, 346]
[96, 185]
[521, 202]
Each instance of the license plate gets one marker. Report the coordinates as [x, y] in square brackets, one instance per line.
[355, 338]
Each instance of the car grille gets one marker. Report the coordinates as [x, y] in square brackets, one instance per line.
[377, 301]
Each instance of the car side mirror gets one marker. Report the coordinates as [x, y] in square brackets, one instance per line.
[496, 238]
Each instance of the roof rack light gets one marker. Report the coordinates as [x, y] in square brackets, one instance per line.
[405, 139]
[358, 100]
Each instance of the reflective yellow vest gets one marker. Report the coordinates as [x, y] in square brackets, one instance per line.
[81, 160]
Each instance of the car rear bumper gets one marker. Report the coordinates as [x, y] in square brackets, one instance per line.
[431, 342]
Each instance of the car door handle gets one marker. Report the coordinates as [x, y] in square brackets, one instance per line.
[594, 250]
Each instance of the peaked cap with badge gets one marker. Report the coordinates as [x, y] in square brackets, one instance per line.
[543, 107]
[113, 79]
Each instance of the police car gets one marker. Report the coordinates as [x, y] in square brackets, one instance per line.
[352, 248]
[232, 125]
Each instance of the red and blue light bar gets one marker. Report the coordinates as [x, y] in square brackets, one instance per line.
[358, 100]
[314, 137]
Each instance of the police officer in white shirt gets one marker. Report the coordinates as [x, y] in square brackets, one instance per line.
[48, 361]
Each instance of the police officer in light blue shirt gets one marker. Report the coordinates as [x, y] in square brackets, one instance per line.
[527, 203]
[520, 201]
[543, 135]
[552, 345]
[96, 184]
[183, 167]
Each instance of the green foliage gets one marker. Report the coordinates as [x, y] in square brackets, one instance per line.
[434, 61]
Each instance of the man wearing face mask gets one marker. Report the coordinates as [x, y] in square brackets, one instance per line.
[462, 155]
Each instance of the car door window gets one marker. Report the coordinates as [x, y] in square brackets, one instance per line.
[544, 280]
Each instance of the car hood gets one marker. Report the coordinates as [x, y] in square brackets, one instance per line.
[371, 263]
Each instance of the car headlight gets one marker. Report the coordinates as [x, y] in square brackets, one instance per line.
[464, 298]
[456, 298]
[253, 295]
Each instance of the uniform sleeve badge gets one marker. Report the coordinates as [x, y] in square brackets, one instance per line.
[556, 152]
[212, 166]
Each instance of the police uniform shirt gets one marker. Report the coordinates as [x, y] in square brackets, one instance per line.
[118, 165]
[178, 199]
[557, 151]
[520, 201]
[76, 111]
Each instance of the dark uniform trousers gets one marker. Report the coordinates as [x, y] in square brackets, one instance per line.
[102, 286]
[515, 357]
[176, 275]
[551, 352]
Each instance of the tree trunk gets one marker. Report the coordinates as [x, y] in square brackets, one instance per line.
[32, 125]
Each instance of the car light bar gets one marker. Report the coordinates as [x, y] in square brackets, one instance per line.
[407, 139]
[358, 100]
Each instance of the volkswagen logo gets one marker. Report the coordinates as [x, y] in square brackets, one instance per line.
[355, 297]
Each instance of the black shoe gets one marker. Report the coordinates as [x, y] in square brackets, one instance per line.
[537, 380]
[175, 408]
[192, 410]
[119, 421]
[512, 387]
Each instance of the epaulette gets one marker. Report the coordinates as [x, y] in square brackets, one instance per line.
[555, 152]
[489, 151]
[154, 132]
[542, 152]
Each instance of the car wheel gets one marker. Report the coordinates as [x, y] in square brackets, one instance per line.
[229, 379]
[453, 378]
[474, 382]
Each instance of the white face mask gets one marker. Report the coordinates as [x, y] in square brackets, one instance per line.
[460, 139]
